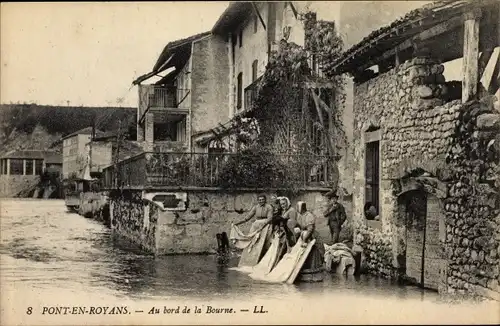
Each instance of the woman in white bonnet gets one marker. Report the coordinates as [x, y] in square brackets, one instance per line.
[288, 218]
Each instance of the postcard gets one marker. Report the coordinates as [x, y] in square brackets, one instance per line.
[291, 162]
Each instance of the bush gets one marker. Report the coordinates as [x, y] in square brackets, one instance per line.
[252, 168]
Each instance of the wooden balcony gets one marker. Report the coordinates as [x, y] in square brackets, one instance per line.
[184, 170]
[157, 97]
[251, 94]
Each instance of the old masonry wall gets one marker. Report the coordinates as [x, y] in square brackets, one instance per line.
[191, 228]
[454, 146]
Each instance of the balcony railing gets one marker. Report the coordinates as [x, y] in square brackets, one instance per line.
[206, 170]
[315, 65]
[251, 94]
[154, 96]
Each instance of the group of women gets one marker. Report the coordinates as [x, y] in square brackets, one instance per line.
[283, 244]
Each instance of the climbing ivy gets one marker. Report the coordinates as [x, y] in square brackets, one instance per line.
[278, 109]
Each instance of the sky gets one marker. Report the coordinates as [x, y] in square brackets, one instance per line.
[89, 53]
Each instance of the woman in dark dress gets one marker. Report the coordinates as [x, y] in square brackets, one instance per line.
[312, 270]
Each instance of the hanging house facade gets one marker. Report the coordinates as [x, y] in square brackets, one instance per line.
[426, 149]
[169, 199]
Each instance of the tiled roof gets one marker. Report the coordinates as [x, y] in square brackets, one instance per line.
[167, 51]
[48, 156]
[84, 131]
[404, 28]
[171, 47]
[232, 16]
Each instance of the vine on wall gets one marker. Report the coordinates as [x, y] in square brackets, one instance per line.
[289, 96]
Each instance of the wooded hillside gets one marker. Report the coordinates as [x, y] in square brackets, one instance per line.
[32, 126]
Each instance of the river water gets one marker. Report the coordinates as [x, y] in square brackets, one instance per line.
[52, 257]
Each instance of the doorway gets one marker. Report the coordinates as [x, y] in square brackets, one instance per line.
[425, 233]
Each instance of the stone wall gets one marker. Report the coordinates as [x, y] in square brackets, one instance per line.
[405, 103]
[127, 219]
[91, 204]
[473, 205]
[425, 139]
[209, 80]
[11, 185]
[191, 230]
[101, 154]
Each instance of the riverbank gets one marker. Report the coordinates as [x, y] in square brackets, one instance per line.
[50, 257]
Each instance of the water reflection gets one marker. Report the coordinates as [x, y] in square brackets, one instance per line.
[42, 243]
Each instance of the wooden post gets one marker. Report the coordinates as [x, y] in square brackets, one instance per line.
[8, 166]
[471, 55]
[24, 167]
[396, 59]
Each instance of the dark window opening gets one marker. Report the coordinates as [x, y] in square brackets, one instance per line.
[255, 23]
[254, 70]
[38, 167]
[241, 37]
[372, 172]
[29, 167]
[16, 167]
[234, 40]
[326, 95]
[239, 90]
[164, 132]
[316, 135]
[170, 130]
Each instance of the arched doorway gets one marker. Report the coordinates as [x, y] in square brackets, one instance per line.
[423, 219]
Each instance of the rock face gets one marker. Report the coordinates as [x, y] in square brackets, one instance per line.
[452, 144]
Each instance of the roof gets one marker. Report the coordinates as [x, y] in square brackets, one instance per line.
[106, 135]
[232, 16]
[34, 154]
[174, 54]
[403, 29]
[53, 158]
[84, 131]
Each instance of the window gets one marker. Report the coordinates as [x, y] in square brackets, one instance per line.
[38, 167]
[164, 132]
[172, 130]
[29, 167]
[254, 70]
[241, 38]
[239, 90]
[181, 130]
[255, 23]
[372, 173]
[16, 167]
[234, 40]
[1, 167]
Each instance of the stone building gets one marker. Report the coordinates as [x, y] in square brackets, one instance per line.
[252, 31]
[169, 199]
[75, 151]
[426, 149]
[188, 99]
[21, 170]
